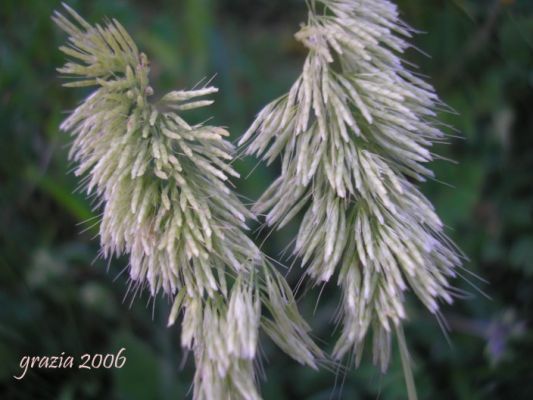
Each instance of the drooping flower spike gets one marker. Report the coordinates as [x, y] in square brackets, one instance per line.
[354, 133]
[161, 184]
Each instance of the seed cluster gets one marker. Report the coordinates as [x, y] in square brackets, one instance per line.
[353, 134]
[161, 185]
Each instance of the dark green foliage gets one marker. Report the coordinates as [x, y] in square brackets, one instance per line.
[52, 299]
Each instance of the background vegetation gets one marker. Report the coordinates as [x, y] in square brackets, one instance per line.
[56, 297]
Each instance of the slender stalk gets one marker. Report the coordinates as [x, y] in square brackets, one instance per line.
[406, 365]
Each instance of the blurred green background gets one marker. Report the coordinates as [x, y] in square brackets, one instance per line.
[56, 296]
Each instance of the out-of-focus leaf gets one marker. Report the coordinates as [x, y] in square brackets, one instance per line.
[74, 204]
[521, 255]
[138, 379]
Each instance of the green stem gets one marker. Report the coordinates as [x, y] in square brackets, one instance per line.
[406, 365]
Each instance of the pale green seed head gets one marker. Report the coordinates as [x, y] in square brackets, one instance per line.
[162, 186]
[354, 134]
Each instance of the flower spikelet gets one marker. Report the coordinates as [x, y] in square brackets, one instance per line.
[162, 186]
[354, 133]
